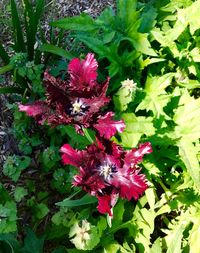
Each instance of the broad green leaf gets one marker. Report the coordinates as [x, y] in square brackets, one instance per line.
[40, 5]
[192, 16]
[8, 217]
[20, 193]
[156, 247]
[77, 23]
[186, 117]
[85, 200]
[141, 43]
[11, 244]
[49, 48]
[32, 243]
[194, 238]
[76, 140]
[95, 44]
[188, 153]
[148, 19]
[174, 237]
[14, 165]
[178, 28]
[126, 11]
[140, 124]
[135, 128]
[165, 42]
[106, 19]
[60, 250]
[149, 61]
[156, 96]
[150, 195]
[40, 210]
[111, 247]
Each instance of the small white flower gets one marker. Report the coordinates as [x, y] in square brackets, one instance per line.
[129, 84]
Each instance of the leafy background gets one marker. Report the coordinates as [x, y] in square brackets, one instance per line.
[156, 44]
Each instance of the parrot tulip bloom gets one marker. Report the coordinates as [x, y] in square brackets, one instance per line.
[107, 171]
[77, 101]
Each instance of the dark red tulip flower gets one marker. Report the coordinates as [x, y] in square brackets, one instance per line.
[77, 101]
[108, 172]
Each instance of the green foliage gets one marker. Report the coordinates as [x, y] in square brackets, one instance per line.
[156, 45]
[20, 193]
[14, 166]
[119, 36]
[32, 243]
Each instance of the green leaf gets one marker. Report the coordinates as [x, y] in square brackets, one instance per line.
[156, 96]
[76, 140]
[20, 193]
[10, 244]
[14, 165]
[60, 250]
[156, 246]
[95, 44]
[40, 210]
[151, 197]
[174, 238]
[141, 44]
[77, 23]
[49, 48]
[126, 11]
[148, 19]
[8, 217]
[50, 157]
[85, 200]
[136, 127]
[188, 153]
[32, 243]
[186, 117]
[192, 16]
[194, 238]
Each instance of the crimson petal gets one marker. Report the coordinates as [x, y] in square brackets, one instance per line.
[104, 204]
[83, 73]
[130, 184]
[135, 156]
[108, 127]
[71, 156]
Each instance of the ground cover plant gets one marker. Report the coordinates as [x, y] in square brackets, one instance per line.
[108, 152]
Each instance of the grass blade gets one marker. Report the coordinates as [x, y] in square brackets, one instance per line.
[30, 28]
[5, 69]
[18, 33]
[6, 90]
[3, 54]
